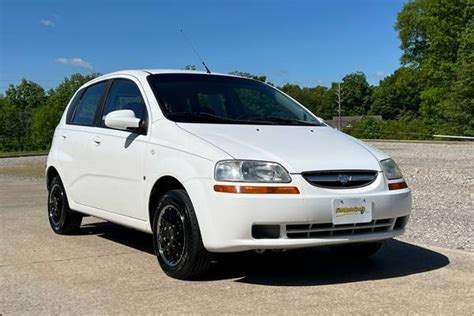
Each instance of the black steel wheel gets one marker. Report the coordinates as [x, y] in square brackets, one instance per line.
[61, 218]
[177, 238]
[55, 204]
[171, 232]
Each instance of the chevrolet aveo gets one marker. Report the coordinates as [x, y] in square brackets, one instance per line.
[213, 163]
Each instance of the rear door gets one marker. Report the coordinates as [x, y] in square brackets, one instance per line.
[74, 147]
[117, 182]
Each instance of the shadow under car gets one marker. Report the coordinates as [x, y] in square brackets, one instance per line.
[300, 267]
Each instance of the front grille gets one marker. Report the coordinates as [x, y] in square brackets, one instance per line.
[340, 179]
[328, 229]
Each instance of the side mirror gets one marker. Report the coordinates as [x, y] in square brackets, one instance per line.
[124, 120]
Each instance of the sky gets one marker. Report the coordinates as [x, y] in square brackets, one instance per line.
[304, 42]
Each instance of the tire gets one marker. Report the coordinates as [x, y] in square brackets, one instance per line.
[62, 219]
[177, 239]
[357, 251]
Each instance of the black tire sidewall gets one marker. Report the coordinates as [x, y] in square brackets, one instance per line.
[180, 200]
[69, 221]
[65, 206]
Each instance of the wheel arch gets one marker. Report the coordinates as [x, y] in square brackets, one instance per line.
[160, 187]
[51, 172]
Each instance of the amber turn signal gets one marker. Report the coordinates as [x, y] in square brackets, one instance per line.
[249, 189]
[397, 186]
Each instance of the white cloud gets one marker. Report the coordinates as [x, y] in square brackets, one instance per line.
[79, 62]
[47, 23]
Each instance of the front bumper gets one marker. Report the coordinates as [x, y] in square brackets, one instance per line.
[226, 219]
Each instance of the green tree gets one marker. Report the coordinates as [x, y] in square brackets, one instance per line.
[402, 128]
[356, 94]
[261, 78]
[430, 32]
[16, 111]
[7, 138]
[398, 94]
[295, 92]
[437, 39]
[323, 101]
[367, 127]
[318, 100]
[458, 109]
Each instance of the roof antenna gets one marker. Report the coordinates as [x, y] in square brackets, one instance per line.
[194, 50]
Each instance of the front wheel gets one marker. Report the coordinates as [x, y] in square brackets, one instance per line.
[177, 239]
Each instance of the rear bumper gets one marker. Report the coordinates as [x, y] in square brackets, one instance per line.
[226, 219]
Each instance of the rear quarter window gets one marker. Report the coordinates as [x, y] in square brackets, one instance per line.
[72, 106]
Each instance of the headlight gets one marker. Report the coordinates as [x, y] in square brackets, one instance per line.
[250, 171]
[391, 170]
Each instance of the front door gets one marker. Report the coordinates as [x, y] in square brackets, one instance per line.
[118, 181]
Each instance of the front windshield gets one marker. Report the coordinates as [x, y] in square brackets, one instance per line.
[200, 98]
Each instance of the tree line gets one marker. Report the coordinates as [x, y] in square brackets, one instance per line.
[431, 93]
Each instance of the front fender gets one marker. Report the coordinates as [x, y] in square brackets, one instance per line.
[162, 161]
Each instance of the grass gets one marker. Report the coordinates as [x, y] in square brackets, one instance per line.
[5, 154]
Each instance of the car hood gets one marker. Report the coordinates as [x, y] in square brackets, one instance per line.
[297, 148]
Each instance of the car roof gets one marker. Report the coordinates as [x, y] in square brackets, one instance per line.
[164, 71]
[145, 72]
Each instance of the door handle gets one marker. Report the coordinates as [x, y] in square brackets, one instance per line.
[64, 137]
[97, 140]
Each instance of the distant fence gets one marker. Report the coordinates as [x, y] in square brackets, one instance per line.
[454, 137]
[22, 154]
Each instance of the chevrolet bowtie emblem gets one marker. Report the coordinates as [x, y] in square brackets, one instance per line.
[344, 178]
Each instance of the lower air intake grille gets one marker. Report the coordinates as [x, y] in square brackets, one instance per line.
[340, 179]
[327, 230]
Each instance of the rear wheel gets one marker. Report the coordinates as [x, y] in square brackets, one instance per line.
[61, 218]
[362, 250]
[177, 239]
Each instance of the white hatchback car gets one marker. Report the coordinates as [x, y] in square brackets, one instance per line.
[217, 163]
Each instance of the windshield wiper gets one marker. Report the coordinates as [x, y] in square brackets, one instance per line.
[275, 119]
[211, 118]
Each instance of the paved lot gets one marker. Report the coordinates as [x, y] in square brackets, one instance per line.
[110, 269]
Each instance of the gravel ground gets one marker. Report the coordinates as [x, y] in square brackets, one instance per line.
[440, 174]
[442, 178]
